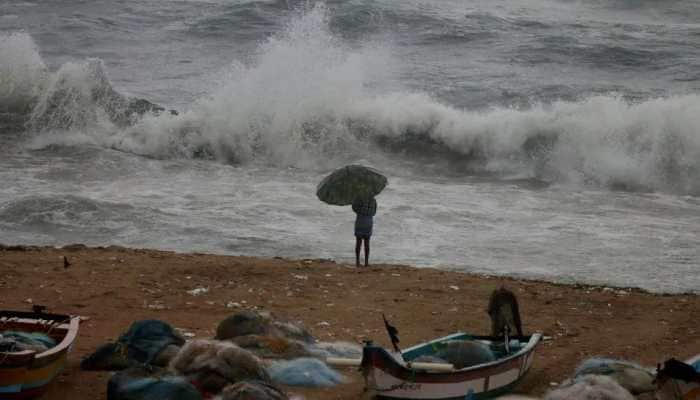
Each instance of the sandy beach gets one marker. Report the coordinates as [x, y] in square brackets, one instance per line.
[112, 287]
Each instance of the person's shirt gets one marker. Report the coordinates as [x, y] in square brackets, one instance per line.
[365, 207]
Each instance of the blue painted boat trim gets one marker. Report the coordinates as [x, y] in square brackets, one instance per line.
[11, 389]
[24, 386]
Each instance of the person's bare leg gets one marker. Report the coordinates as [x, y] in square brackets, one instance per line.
[367, 251]
[358, 244]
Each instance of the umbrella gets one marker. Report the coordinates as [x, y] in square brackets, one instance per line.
[346, 184]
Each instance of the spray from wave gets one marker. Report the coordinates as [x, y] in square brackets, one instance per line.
[23, 74]
[312, 101]
[289, 108]
[75, 99]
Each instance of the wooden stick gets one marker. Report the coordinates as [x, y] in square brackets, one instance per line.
[425, 366]
[343, 362]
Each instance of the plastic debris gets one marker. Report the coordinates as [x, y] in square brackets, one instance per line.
[198, 290]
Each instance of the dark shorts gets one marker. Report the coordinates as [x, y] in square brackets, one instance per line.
[363, 226]
[363, 237]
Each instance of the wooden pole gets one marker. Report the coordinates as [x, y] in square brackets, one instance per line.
[423, 366]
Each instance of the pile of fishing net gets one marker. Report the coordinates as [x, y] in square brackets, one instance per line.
[251, 354]
[16, 341]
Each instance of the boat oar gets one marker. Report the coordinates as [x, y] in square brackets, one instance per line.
[423, 366]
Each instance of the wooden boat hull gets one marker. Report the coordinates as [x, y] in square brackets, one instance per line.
[27, 382]
[25, 375]
[388, 378]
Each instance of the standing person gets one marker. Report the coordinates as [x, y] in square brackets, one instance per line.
[365, 208]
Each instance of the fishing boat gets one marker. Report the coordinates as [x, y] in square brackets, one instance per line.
[26, 374]
[392, 375]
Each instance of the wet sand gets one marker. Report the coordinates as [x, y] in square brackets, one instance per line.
[113, 287]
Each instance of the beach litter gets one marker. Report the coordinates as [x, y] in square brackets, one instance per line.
[305, 372]
[198, 290]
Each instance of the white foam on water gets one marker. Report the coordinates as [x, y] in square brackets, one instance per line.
[23, 73]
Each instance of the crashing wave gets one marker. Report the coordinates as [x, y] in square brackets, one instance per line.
[312, 101]
[23, 73]
[76, 96]
[80, 94]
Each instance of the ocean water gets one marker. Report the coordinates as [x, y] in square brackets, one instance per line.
[552, 139]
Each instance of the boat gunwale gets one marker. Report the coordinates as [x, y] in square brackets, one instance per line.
[67, 323]
[389, 364]
[531, 343]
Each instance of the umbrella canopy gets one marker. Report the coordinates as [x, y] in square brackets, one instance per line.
[346, 184]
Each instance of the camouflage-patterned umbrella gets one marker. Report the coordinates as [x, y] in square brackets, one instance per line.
[344, 185]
